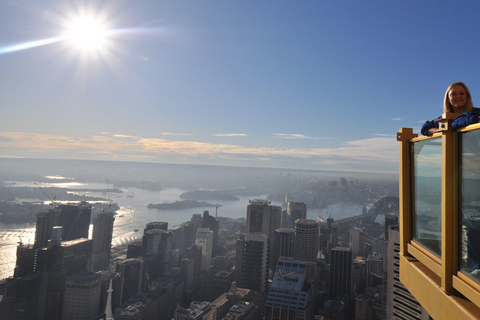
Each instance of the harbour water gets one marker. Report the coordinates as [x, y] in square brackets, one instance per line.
[134, 214]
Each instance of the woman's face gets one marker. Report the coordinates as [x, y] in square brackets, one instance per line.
[458, 98]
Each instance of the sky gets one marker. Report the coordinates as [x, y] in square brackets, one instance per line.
[314, 84]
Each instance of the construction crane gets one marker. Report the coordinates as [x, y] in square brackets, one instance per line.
[49, 198]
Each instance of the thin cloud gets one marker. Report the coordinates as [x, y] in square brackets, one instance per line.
[293, 136]
[231, 135]
[397, 119]
[176, 134]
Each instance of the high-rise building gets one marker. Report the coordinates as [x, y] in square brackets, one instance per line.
[102, 240]
[401, 304]
[204, 239]
[283, 244]
[356, 242]
[306, 240]
[295, 211]
[211, 223]
[73, 218]
[340, 272]
[81, 296]
[55, 263]
[374, 266]
[156, 225]
[43, 230]
[291, 293]
[252, 269]
[265, 218]
[133, 273]
[359, 280]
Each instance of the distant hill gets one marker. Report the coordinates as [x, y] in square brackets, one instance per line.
[208, 195]
[179, 205]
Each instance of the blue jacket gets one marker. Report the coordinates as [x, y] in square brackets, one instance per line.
[462, 120]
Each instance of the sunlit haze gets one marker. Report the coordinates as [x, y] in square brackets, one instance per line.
[291, 84]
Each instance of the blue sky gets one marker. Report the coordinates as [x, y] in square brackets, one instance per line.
[289, 84]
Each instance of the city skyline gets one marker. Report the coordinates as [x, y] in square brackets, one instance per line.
[303, 85]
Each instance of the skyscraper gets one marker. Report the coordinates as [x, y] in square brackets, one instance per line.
[253, 266]
[81, 296]
[401, 304]
[102, 240]
[75, 220]
[306, 240]
[374, 266]
[264, 218]
[210, 222]
[340, 272]
[291, 293]
[283, 244]
[55, 263]
[204, 239]
[295, 211]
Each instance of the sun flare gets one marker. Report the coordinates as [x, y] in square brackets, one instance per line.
[87, 34]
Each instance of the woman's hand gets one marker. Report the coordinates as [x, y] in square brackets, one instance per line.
[432, 131]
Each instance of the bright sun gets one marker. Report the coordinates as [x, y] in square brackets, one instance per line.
[87, 34]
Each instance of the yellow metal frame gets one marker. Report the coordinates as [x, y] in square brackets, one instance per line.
[436, 283]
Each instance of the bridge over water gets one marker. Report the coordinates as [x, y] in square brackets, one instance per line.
[382, 206]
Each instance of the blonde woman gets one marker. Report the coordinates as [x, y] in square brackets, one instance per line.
[457, 100]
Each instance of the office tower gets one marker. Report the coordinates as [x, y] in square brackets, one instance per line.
[295, 211]
[75, 220]
[359, 280]
[356, 242]
[204, 239]
[264, 218]
[291, 292]
[189, 233]
[56, 262]
[197, 221]
[391, 219]
[195, 253]
[133, 272]
[283, 244]
[340, 272]
[157, 248]
[374, 266]
[401, 304]
[29, 304]
[43, 230]
[306, 240]
[187, 271]
[253, 267]
[178, 238]
[156, 225]
[210, 222]
[102, 240]
[328, 237]
[81, 297]
[363, 311]
[25, 262]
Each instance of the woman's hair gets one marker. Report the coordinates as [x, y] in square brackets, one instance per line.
[447, 107]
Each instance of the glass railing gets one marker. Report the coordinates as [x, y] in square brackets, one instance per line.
[426, 193]
[470, 204]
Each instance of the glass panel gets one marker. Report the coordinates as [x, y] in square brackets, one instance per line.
[470, 204]
[427, 194]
